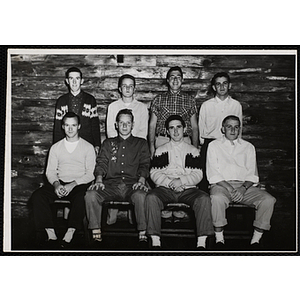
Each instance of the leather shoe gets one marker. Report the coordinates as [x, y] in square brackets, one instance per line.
[201, 248]
[256, 246]
[220, 246]
[65, 245]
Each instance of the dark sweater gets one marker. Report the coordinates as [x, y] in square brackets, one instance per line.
[90, 129]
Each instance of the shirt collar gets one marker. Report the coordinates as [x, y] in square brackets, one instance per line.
[174, 94]
[78, 95]
[175, 144]
[218, 100]
[120, 139]
[132, 102]
[225, 140]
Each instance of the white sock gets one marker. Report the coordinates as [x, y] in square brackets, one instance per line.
[51, 234]
[97, 234]
[256, 237]
[201, 242]
[142, 235]
[155, 240]
[219, 237]
[69, 235]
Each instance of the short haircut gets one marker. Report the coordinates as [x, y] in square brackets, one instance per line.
[69, 115]
[231, 117]
[172, 118]
[73, 69]
[124, 77]
[174, 69]
[218, 75]
[125, 111]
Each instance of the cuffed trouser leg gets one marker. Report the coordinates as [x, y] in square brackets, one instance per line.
[219, 203]
[262, 201]
[93, 206]
[138, 200]
[153, 206]
[264, 205]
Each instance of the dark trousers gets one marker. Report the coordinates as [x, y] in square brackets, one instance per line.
[203, 185]
[198, 200]
[44, 197]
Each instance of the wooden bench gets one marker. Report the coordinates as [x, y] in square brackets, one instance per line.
[240, 219]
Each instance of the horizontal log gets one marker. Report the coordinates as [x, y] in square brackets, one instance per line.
[221, 61]
[278, 143]
[149, 89]
[25, 150]
[228, 61]
[37, 138]
[97, 60]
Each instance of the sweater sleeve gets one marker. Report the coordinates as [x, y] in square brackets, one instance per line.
[201, 123]
[52, 165]
[159, 166]
[193, 174]
[58, 133]
[95, 122]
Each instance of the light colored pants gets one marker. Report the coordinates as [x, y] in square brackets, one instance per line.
[262, 201]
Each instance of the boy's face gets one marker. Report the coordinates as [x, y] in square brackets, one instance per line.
[74, 81]
[231, 129]
[222, 86]
[176, 130]
[124, 125]
[127, 88]
[175, 80]
[71, 127]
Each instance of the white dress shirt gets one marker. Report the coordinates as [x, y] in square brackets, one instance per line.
[212, 113]
[140, 114]
[228, 160]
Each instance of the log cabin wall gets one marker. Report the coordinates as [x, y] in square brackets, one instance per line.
[265, 86]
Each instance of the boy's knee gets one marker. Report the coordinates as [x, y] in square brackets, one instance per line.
[138, 196]
[269, 200]
[217, 199]
[91, 197]
[150, 199]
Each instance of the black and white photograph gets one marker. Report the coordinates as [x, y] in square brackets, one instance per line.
[151, 151]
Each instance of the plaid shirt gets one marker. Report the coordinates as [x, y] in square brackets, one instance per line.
[168, 104]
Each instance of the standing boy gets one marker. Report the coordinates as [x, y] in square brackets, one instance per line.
[82, 104]
[212, 112]
[172, 102]
[139, 110]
